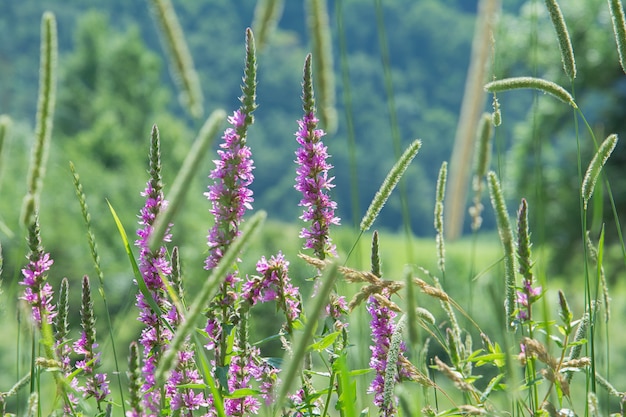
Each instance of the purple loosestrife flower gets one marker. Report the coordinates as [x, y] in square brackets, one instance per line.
[38, 293]
[230, 198]
[96, 385]
[312, 178]
[153, 265]
[383, 326]
[274, 284]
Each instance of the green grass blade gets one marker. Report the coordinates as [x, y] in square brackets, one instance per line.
[131, 257]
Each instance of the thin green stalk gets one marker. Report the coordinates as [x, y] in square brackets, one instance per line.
[393, 119]
[347, 104]
[91, 239]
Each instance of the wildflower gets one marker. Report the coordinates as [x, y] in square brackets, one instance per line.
[312, 176]
[153, 265]
[230, 198]
[382, 329]
[96, 385]
[38, 293]
[274, 284]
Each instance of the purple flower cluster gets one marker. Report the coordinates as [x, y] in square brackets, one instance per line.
[96, 385]
[38, 293]
[229, 194]
[152, 265]
[230, 198]
[274, 284]
[313, 182]
[525, 299]
[383, 327]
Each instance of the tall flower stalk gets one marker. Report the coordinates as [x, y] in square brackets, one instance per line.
[230, 198]
[153, 265]
[97, 385]
[312, 175]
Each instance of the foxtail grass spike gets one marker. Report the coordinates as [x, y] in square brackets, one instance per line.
[506, 237]
[323, 62]
[565, 312]
[206, 293]
[134, 378]
[93, 247]
[45, 116]
[390, 182]
[595, 167]
[411, 306]
[581, 333]
[181, 63]
[300, 345]
[483, 146]
[181, 184]
[523, 242]
[391, 371]
[61, 323]
[565, 43]
[266, 16]
[441, 193]
[5, 126]
[248, 88]
[619, 28]
[540, 84]
[496, 116]
[375, 255]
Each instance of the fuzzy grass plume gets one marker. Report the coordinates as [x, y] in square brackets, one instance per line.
[565, 43]
[181, 62]
[540, 84]
[388, 185]
[619, 28]
[595, 167]
[45, 116]
[506, 237]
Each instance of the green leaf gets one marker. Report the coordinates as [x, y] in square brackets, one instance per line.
[325, 342]
[138, 277]
[243, 392]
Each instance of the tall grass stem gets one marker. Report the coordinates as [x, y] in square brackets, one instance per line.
[45, 116]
